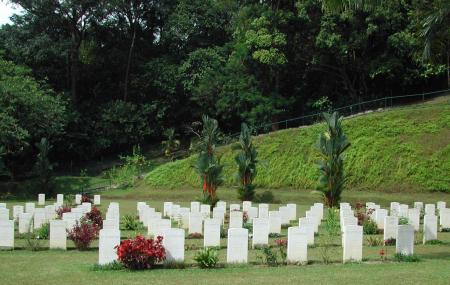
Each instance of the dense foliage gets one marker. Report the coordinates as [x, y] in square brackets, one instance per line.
[141, 253]
[103, 76]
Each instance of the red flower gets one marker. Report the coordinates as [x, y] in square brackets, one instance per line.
[141, 253]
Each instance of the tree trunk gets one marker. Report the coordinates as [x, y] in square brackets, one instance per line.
[74, 68]
[127, 72]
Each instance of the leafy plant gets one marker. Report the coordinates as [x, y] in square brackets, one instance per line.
[44, 231]
[207, 258]
[390, 241]
[34, 241]
[331, 145]
[43, 167]
[407, 258]
[208, 165]
[331, 227]
[370, 227]
[131, 223]
[108, 267]
[269, 257]
[95, 217]
[445, 230]
[141, 253]
[82, 234]
[374, 241]
[171, 144]
[282, 247]
[403, 221]
[246, 162]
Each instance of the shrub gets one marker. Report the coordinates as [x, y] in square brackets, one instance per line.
[61, 210]
[434, 241]
[141, 253]
[207, 258]
[44, 231]
[390, 241]
[374, 241]
[403, 221]
[82, 234]
[95, 217]
[445, 230]
[86, 199]
[248, 226]
[282, 247]
[274, 235]
[370, 227]
[265, 197]
[406, 258]
[270, 258]
[223, 232]
[131, 223]
[108, 267]
[195, 236]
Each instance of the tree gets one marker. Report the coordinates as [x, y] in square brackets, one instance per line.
[331, 145]
[171, 144]
[43, 167]
[208, 165]
[246, 162]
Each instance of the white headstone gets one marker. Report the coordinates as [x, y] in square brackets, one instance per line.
[263, 211]
[246, 206]
[70, 219]
[173, 241]
[195, 207]
[285, 214]
[274, 222]
[205, 210]
[39, 217]
[41, 199]
[160, 226]
[212, 232]
[297, 245]
[441, 205]
[60, 199]
[97, 199]
[50, 212]
[430, 209]
[4, 214]
[78, 199]
[237, 247]
[17, 210]
[307, 225]
[405, 240]
[3, 205]
[395, 209]
[58, 237]
[379, 217]
[221, 204]
[110, 225]
[390, 227]
[319, 209]
[25, 223]
[403, 211]
[29, 208]
[7, 233]
[184, 215]
[260, 232]
[195, 223]
[292, 211]
[429, 228]
[167, 211]
[414, 218]
[219, 213]
[108, 240]
[444, 218]
[352, 243]
[235, 219]
[418, 205]
[235, 207]
[252, 213]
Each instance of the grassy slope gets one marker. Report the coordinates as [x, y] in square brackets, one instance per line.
[395, 150]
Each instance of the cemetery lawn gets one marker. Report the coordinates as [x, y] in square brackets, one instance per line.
[23, 266]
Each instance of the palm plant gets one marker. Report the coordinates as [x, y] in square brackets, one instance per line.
[208, 165]
[171, 144]
[246, 161]
[331, 145]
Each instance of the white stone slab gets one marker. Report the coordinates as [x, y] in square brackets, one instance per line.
[390, 227]
[60, 199]
[235, 207]
[219, 213]
[97, 200]
[205, 210]
[17, 210]
[39, 217]
[260, 232]
[252, 213]
[263, 210]
[195, 207]
[161, 225]
[212, 233]
[237, 247]
[78, 199]
[173, 241]
[58, 236]
[380, 214]
[41, 199]
[444, 218]
[108, 240]
[195, 223]
[25, 223]
[235, 219]
[352, 243]
[29, 207]
[430, 209]
[297, 246]
[7, 234]
[167, 210]
[308, 226]
[274, 222]
[395, 209]
[292, 211]
[246, 205]
[285, 214]
[418, 205]
[430, 226]
[4, 214]
[405, 240]
[414, 218]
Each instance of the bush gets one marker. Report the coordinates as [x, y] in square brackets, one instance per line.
[44, 231]
[86, 199]
[406, 258]
[265, 197]
[95, 217]
[248, 226]
[141, 253]
[270, 257]
[390, 241]
[61, 210]
[403, 221]
[445, 230]
[374, 241]
[370, 227]
[131, 223]
[207, 258]
[82, 234]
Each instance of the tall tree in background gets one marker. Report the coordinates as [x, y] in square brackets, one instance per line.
[246, 161]
[43, 168]
[331, 145]
[208, 164]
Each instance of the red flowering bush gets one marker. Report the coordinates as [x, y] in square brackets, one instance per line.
[281, 242]
[95, 217]
[83, 233]
[61, 210]
[86, 199]
[141, 253]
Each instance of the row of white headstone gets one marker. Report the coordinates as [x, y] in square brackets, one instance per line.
[30, 218]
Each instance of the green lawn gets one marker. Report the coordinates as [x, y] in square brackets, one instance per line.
[23, 266]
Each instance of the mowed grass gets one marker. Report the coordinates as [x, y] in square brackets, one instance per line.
[405, 149]
[22, 266]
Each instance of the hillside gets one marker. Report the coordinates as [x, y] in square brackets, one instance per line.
[393, 150]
